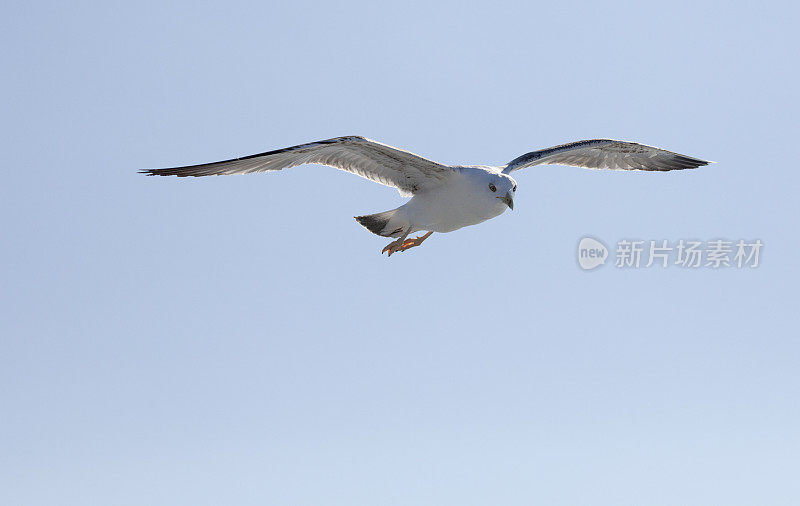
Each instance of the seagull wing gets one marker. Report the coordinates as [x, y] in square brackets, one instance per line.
[383, 164]
[606, 154]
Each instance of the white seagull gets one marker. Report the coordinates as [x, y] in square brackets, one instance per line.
[443, 197]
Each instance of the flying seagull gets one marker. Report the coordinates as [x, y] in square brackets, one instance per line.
[443, 197]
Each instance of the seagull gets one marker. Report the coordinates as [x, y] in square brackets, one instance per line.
[444, 198]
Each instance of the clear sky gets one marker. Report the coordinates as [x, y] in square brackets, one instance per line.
[240, 340]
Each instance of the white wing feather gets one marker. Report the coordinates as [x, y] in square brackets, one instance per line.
[606, 154]
[383, 164]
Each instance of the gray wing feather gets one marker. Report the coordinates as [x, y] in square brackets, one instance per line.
[369, 159]
[607, 154]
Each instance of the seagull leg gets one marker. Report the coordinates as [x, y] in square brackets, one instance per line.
[414, 241]
[395, 246]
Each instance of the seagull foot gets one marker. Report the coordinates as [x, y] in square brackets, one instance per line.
[404, 244]
[393, 247]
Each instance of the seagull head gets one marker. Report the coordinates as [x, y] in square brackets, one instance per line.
[502, 187]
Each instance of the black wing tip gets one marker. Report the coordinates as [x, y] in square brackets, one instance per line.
[179, 172]
[156, 172]
[687, 162]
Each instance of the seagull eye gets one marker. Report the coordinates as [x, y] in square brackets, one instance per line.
[493, 188]
[514, 188]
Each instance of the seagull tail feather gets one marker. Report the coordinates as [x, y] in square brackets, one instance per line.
[382, 224]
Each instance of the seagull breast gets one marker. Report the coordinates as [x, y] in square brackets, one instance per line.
[465, 200]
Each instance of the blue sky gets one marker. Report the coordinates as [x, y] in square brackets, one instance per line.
[240, 340]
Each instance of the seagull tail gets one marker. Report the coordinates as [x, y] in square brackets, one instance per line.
[385, 224]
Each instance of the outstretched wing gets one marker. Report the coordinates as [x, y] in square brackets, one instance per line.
[372, 160]
[606, 154]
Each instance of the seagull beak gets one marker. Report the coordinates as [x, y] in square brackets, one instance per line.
[507, 200]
